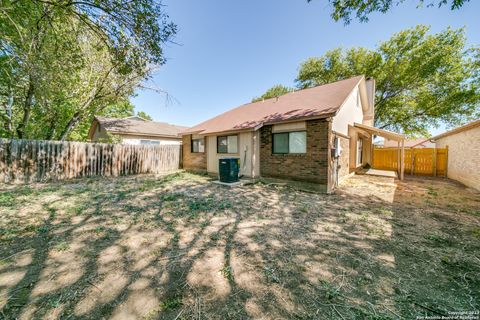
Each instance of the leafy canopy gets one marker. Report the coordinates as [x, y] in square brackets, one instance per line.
[118, 109]
[62, 62]
[273, 92]
[144, 115]
[361, 9]
[422, 79]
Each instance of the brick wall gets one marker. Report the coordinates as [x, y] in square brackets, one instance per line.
[344, 159]
[311, 166]
[193, 161]
[463, 156]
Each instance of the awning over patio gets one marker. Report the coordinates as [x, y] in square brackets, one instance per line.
[400, 138]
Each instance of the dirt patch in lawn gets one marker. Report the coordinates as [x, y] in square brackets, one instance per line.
[180, 247]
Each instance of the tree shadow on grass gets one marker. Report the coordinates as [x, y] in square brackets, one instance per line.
[163, 268]
[183, 248]
[437, 247]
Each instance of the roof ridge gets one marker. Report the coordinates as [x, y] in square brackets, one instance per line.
[147, 121]
[305, 89]
[468, 125]
[282, 97]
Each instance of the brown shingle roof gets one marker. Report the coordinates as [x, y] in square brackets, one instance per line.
[137, 125]
[316, 102]
[468, 126]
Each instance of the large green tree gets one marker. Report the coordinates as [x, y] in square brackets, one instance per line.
[144, 115]
[422, 79]
[273, 92]
[64, 61]
[118, 109]
[361, 9]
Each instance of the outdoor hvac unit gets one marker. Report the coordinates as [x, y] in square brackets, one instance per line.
[228, 169]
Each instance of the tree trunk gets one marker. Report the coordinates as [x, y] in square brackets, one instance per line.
[70, 125]
[76, 118]
[8, 114]
[27, 107]
[49, 135]
[51, 132]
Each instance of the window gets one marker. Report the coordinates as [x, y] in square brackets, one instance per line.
[290, 142]
[280, 143]
[227, 144]
[153, 142]
[198, 145]
[359, 152]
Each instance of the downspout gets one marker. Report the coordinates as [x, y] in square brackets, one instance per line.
[252, 155]
[244, 161]
[330, 161]
[337, 164]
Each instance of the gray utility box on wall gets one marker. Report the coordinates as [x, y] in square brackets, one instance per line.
[228, 169]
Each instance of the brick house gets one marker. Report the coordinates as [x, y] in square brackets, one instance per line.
[321, 135]
[463, 162]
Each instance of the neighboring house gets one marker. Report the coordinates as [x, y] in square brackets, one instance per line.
[135, 130]
[409, 143]
[463, 153]
[293, 136]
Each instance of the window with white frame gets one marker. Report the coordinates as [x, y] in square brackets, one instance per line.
[359, 152]
[198, 145]
[151, 142]
[227, 144]
[290, 142]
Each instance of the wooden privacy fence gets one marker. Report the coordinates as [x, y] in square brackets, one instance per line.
[33, 160]
[423, 161]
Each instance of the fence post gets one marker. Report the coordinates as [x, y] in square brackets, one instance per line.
[180, 154]
[434, 162]
[446, 161]
[412, 156]
[402, 161]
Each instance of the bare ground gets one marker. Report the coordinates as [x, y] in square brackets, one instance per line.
[180, 247]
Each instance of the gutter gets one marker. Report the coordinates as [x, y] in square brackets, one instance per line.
[259, 126]
[465, 127]
[143, 134]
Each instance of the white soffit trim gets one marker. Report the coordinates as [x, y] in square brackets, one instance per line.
[292, 126]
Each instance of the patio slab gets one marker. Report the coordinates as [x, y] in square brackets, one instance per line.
[381, 173]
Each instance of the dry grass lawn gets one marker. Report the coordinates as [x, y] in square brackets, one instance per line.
[180, 247]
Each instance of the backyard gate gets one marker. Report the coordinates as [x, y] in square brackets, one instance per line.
[418, 161]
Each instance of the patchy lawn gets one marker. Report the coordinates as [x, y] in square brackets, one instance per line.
[180, 247]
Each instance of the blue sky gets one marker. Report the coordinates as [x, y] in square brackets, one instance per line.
[231, 51]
